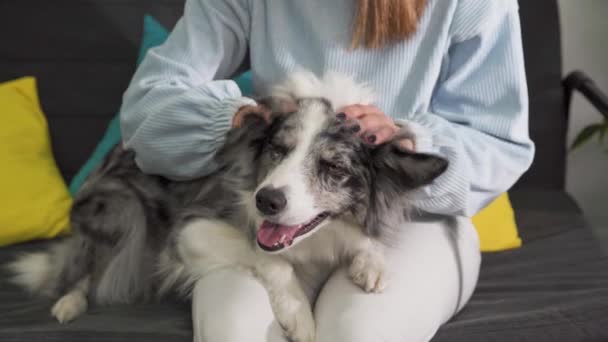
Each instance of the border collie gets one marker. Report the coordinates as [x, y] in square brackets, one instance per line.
[292, 199]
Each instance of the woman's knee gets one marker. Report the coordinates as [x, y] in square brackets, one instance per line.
[230, 305]
[345, 313]
[433, 274]
[356, 326]
[349, 326]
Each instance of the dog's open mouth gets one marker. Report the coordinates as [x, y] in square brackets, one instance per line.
[273, 237]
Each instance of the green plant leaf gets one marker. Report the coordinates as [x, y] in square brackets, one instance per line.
[586, 134]
[603, 131]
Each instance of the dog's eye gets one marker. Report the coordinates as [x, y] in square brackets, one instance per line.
[276, 152]
[275, 155]
[335, 169]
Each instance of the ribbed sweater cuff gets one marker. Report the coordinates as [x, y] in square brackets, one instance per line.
[448, 194]
[422, 136]
[226, 109]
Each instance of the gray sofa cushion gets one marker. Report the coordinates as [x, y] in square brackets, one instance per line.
[27, 318]
[543, 213]
[554, 289]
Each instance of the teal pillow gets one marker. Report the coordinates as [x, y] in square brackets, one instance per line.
[244, 82]
[154, 34]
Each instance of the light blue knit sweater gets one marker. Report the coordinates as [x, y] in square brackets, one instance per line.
[461, 77]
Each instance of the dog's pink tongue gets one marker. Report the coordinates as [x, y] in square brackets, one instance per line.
[270, 234]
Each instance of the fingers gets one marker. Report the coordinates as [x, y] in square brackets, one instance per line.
[407, 144]
[353, 126]
[237, 120]
[375, 129]
[349, 112]
[242, 113]
[380, 135]
[357, 111]
[372, 125]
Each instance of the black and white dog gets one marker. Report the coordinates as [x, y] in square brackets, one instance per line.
[292, 200]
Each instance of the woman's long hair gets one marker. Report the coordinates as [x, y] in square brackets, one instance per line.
[381, 22]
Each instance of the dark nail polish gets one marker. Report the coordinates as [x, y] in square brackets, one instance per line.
[341, 116]
[371, 139]
[356, 128]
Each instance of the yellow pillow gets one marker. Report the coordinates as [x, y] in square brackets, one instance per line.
[496, 226]
[34, 200]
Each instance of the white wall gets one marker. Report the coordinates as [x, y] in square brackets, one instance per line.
[585, 47]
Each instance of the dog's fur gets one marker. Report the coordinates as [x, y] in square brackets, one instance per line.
[136, 236]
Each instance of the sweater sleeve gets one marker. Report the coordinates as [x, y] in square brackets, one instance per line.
[478, 117]
[178, 106]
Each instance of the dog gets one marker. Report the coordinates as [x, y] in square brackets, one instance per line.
[293, 198]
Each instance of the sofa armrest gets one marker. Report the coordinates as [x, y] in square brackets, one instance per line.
[581, 82]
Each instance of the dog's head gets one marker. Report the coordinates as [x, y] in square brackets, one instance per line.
[312, 169]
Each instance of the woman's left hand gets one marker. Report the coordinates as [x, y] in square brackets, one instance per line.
[374, 126]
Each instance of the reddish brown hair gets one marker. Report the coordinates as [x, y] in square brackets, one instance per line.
[380, 22]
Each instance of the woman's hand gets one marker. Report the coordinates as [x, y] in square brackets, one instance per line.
[259, 110]
[372, 124]
[265, 108]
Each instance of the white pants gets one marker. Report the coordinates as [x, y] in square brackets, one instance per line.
[435, 268]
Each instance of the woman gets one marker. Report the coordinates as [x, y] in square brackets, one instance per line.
[451, 69]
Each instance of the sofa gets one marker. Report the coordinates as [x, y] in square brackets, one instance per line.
[553, 288]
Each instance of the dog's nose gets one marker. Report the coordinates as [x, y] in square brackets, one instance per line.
[270, 201]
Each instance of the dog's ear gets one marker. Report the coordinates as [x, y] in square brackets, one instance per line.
[405, 169]
[245, 141]
[395, 171]
[252, 128]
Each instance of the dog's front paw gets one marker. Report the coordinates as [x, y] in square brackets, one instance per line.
[289, 302]
[295, 318]
[301, 327]
[368, 271]
[69, 307]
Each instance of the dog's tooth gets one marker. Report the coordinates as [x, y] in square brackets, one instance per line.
[282, 239]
